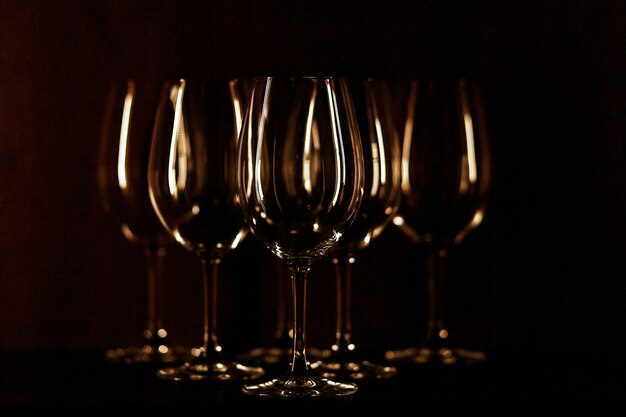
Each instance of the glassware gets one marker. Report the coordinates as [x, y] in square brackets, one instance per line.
[192, 181]
[300, 186]
[123, 188]
[446, 176]
[381, 198]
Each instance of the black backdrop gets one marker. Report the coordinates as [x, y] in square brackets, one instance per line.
[543, 273]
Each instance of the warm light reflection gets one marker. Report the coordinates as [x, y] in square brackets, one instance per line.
[237, 105]
[478, 217]
[242, 233]
[179, 238]
[408, 231]
[337, 143]
[378, 168]
[306, 157]
[162, 333]
[124, 130]
[258, 155]
[128, 234]
[408, 134]
[378, 148]
[469, 160]
[178, 150]
[249, 160]
[163, 349]
[195, 209]
[473, 224]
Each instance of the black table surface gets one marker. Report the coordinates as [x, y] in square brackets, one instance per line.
[86, 378]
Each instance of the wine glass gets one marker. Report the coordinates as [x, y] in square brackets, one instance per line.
[446, 176]
[123, 189]
[300, 185]
[192, 182]
[381, 198]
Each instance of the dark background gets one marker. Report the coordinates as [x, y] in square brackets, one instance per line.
[542, 274]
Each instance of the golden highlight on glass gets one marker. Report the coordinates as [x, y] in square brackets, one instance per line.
[123, 189]
[300, 182]
[446, 177]
[381, 198]
[192, 181]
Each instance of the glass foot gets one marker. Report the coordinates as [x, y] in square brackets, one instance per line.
[222, 371]
[445, 356]
[355, 370]
[288, 386]
[147, 354]
[266, 356]
[317, 354]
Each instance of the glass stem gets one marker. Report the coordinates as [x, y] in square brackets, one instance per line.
[436, 331]
[210, 346]
[343, 261]
[154, 332]
[281, 333]
[299, 274]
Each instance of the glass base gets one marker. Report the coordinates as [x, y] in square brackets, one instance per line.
[221, 371]
[317, 354]
[266, 356]
[289, 386]
[354, 370]
[445, 356]
[147, 354]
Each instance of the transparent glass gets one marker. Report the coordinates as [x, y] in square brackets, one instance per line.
[446, 177]
[122, 168]
[381, 198]
[300, 185]
[192, 182]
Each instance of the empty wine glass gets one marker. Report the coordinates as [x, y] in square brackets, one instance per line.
[300, 185]
[381, 198]
[192, 181]
[446, 176]
[123, 188]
